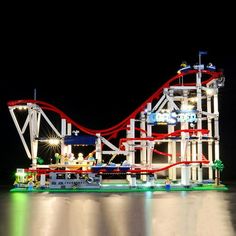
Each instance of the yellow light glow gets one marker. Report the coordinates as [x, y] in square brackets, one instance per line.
[210, 91]
[193, 99]
[53, 142]
[187, 107]
[22, 107]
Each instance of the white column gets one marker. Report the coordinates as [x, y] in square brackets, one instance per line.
[131, 143]
[194, 158]
[69, 132]
[188, 151]
[42, 180]
[185, 175]
[209, 119]
[185, 169]
[174, 159]
[216, 112]
[63, 133]
[143, 135]
[209, 127]
[184, 136]
[216, 127]
[189, 157]
[217, 150]
[143, 153]
[210, 158]
[199, 149]
[133, 181]
[33, 130]
[171, 129]
[149, 134]
[199, 124]
[151, 180]
[98, 149]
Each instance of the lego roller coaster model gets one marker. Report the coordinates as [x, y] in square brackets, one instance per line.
[185, 157]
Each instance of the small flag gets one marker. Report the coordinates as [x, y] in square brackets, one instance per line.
[202, 53]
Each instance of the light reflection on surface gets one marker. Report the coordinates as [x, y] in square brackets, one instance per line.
[19, 214]
[148, 213]
[118, 214]
[192, 213]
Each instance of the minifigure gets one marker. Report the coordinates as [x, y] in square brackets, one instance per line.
[57, 157]
[91, 159]
[183, 67]
[30, 184]
[71, 158]
[211, 67]
[80, 158]
[167, 184]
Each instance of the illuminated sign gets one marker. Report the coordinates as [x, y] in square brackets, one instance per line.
[171, 118]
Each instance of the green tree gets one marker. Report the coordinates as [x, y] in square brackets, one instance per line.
[40, 160]
[218, 166]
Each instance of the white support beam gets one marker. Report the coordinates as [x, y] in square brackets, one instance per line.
[143, 143]
[216, 112]
[172, 102]
[185, 175]
[199, 124]
[115, 152]
[208, 114]
[209, 127]
[69, 129]
[50, 123]
[194, 158]
[183, 87]
[216, 127]
[34, 132]
[162, 105]
[69, 132]
[171, 129]
[38, 122]
[131, 142]
[159, 103]
[25, 124]
[210, 158]
[63, 134]
[209, 120]
[184, 140]
[109, 144]
[99, 149]
[149, 134]
[217, 150]
[143, 152]
[20, 132]
[174, 175]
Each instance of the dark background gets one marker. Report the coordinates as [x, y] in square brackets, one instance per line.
[100, 73]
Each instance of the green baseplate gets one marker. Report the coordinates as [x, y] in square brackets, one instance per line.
[121, 187]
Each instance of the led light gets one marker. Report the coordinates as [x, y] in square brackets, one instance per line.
[53, 142]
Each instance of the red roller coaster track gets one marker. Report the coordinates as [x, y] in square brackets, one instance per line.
[121, 125]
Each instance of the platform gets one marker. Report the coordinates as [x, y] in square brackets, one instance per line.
[123, 186]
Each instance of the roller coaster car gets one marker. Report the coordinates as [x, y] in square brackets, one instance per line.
[109, 168]
[198, 67]
[210, 67]
[106, 168]
[184, 69]
[124, 168]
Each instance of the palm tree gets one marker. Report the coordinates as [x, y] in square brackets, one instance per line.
[218, 166]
